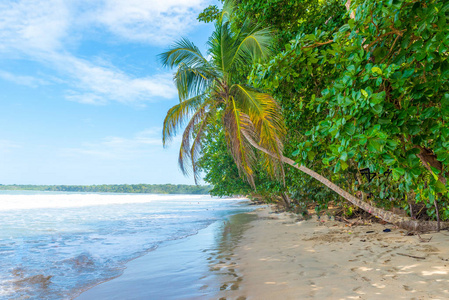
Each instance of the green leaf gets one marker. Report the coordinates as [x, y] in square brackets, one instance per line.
[349, 128]
[442, 154]
[374, 145]
[344, 28]
[408, 73]
[445, 100]
[378, 81]
[399, 171]
[435, 170]
[311, 155]
[376, 70]
[392, 144]
[362, 141]
[364, 93]
[388, 159]
[440, 187]
[420, 55]
[428, 113]
[337, 167]
[377, 109]
[351, 68]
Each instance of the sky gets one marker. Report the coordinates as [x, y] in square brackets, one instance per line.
[82, 93]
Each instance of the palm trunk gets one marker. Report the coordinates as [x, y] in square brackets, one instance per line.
[387, 216]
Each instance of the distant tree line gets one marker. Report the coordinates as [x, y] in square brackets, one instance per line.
[116, 188]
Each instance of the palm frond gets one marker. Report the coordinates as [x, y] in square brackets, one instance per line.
[232, 49]
[226, 11]
[266, 117]
[235, 122]
[221, 46]
[205, 86]
[253, 43]
[182, 52]
[247, 99]
[177, 115]
[270, 140]
[184, 151]
[193, 81]
[199, 118]
[195, 150]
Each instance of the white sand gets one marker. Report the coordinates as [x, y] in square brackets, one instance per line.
[282, 258]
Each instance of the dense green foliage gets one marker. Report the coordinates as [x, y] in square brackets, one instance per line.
[222, 173]
[368, 91]
[114, 188]
[213, 161]
[373, 95]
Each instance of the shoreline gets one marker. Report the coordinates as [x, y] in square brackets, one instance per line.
[187, 268]
[282, 257]
[268, 255]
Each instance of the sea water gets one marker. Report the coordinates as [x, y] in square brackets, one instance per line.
[54, 245]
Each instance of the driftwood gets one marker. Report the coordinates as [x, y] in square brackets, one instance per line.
[356, 222]
[412, 256]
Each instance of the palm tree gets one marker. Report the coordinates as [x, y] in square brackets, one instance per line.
[251, 119]
[209, 87]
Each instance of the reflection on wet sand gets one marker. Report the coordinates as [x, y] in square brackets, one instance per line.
[223, 263]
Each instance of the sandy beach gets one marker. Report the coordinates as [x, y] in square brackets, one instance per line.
[282, 257]
[269, 255]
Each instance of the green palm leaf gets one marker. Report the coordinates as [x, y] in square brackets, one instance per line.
[192, 81]
[188, 153]
[183, 51]
[177, 115]
[207, 89]
[235, 122]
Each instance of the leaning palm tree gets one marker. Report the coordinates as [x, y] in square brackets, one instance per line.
[208, 87]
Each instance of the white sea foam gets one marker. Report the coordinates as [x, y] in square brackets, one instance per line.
[13, 202]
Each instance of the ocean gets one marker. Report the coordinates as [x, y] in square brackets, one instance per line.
[54, 245]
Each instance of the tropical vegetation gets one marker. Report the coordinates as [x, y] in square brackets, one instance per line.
[364, 95]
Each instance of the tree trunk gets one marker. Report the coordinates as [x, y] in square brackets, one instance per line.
[387, 216]
[429, 159]
[437, 212]
[286, 200]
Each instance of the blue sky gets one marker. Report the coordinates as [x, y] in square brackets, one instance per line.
[82, 94]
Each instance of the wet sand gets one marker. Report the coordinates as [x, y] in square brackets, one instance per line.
[266, 255]
[196, 267]
[281, 257]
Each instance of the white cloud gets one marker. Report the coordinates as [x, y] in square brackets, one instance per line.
[120, 148]
[29, 26]
[21, 79]
[40, 30]
[98, 85]
[153, 22]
